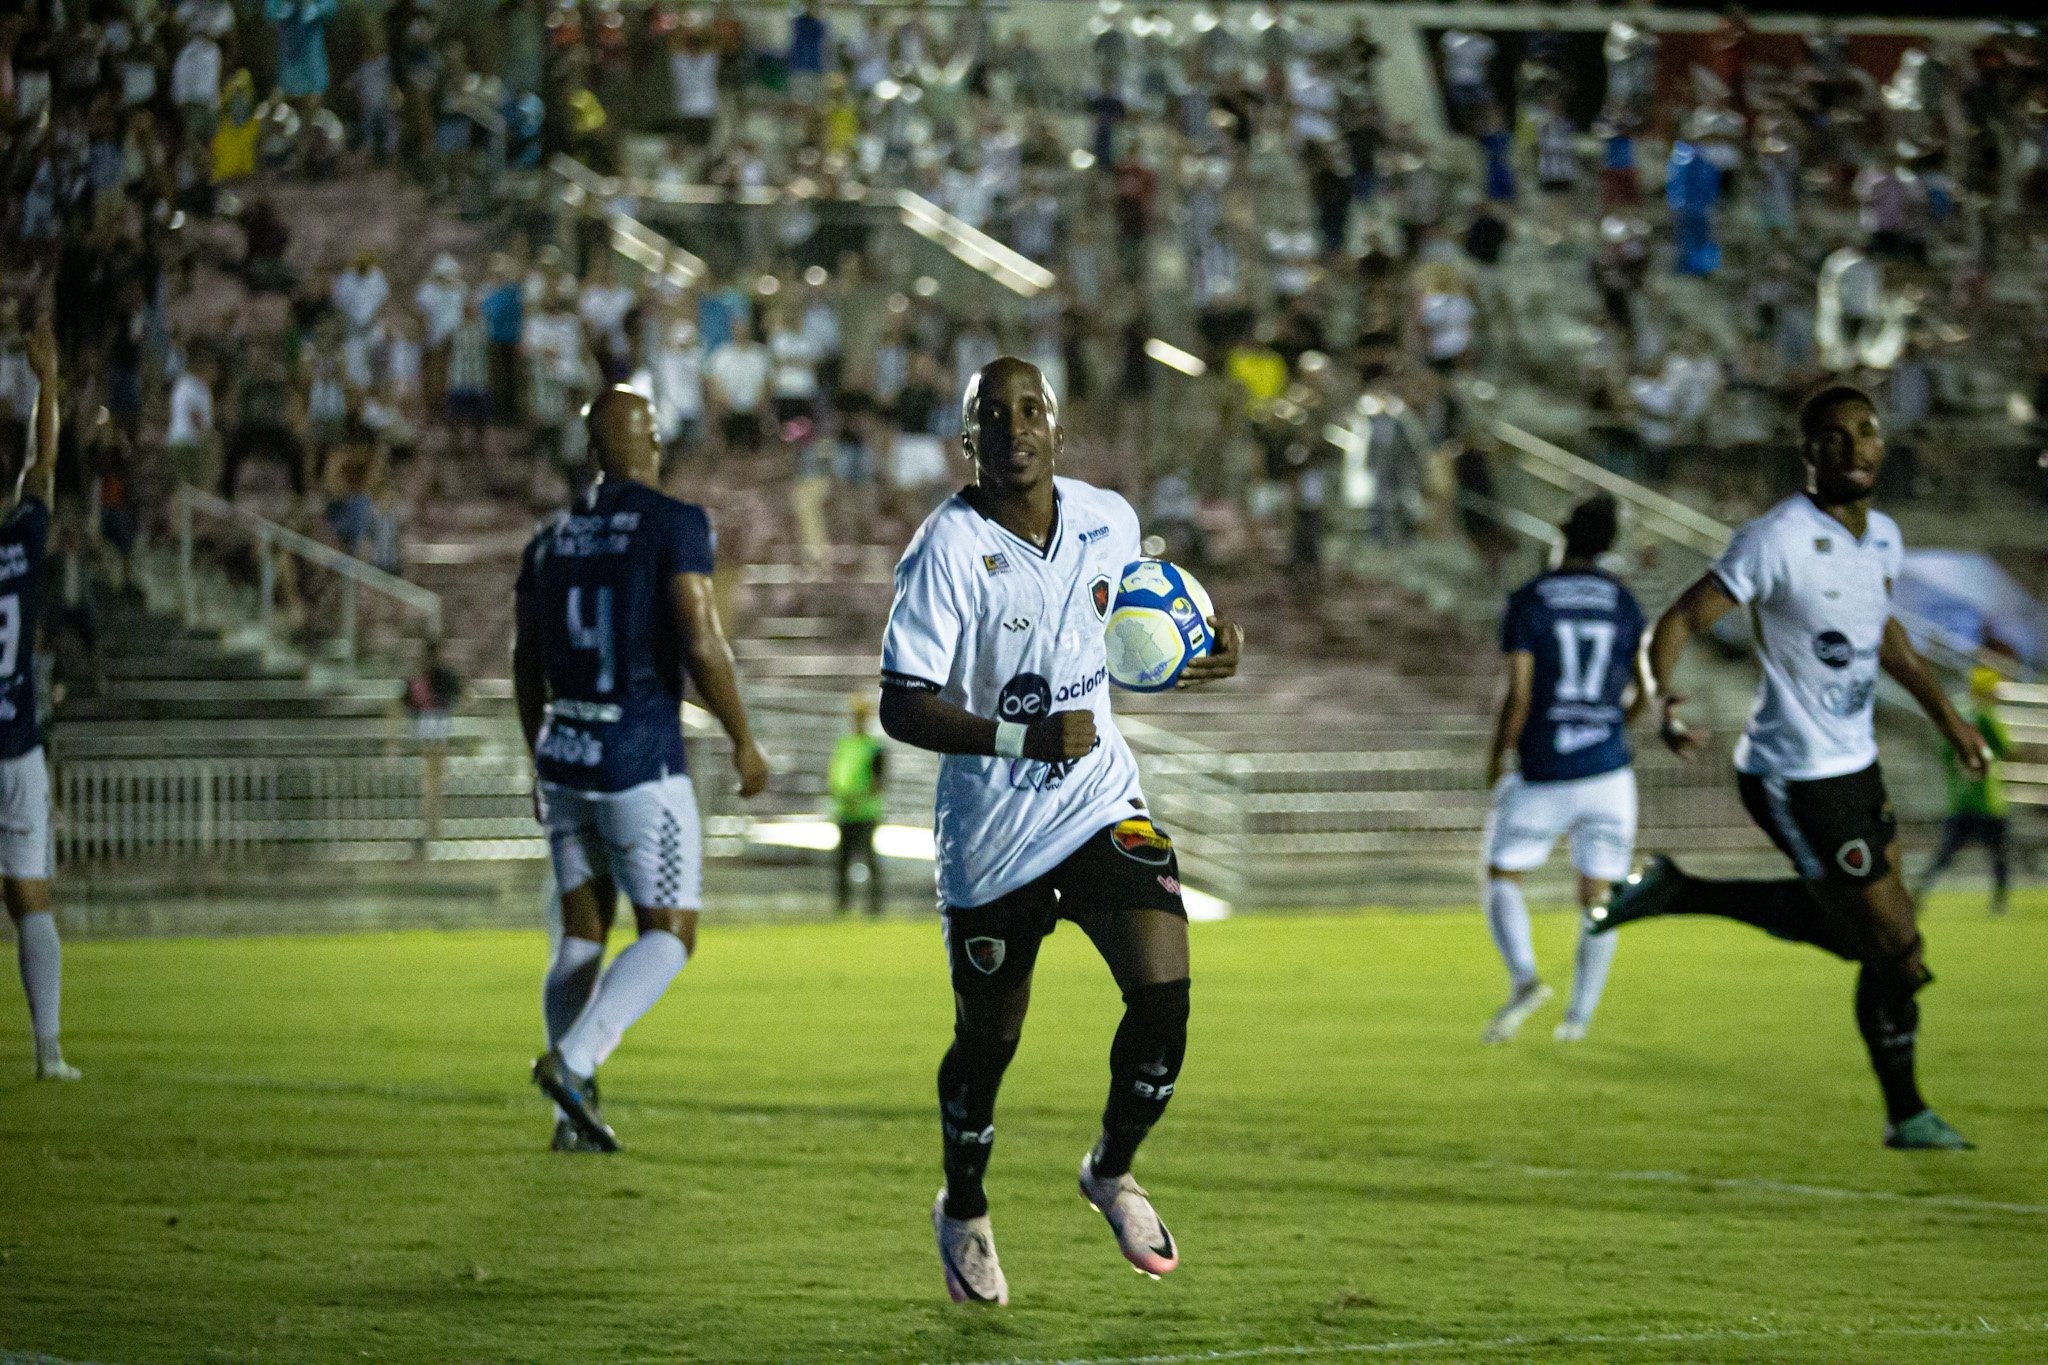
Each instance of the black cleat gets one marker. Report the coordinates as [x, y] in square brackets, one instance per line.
[578, 1101]
[1647, 893]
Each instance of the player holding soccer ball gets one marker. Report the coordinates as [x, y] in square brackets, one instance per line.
[1816, 574]
[994, 657]
[1571, 637]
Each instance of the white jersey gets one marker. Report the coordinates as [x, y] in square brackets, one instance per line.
[995, 625]
[1819, 599]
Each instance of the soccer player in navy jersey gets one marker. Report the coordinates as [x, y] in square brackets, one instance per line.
[614, 608]
[1571, 638]
[26, 852]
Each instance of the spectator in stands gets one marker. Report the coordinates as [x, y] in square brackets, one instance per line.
[442, 300]
[503, 306]
[195, 85]
[236, 131]
[264, 417]
[693, 76]
[558, 375]
[429, 699]
[301, 48]
[376, 107]
[606, 305]
[349, 477]
[672, 377]
[1444, 316]
[359, 292]
[740, 372]
[189, 437]
[469, 407]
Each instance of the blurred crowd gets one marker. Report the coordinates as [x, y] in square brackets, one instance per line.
[1278, 313]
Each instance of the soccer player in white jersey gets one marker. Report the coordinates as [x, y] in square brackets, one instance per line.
[994, 657]
[1571, 638]
[1816, 575]
[26, 854]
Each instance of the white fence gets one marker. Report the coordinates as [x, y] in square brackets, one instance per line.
[360, 807]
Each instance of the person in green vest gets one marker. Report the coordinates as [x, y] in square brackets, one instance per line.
[1977, 809]
[855, 781]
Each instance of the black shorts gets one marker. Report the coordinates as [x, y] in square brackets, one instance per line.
[1836, 829]
[1127, 866]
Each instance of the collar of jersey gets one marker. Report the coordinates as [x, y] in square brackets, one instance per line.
[1052, 543]
[1861, 542]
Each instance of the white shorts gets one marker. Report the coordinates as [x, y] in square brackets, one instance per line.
[26, 853]
[646, 839]
[1598, 812]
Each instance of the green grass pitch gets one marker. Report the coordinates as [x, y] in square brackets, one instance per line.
[325, 1149]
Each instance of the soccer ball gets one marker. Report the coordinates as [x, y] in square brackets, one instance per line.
[1158, 625]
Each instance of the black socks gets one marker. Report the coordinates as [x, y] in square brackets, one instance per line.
[1889, 1017]
[969, 1077]
[1144, 1065]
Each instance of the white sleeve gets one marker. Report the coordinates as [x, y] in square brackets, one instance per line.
[1748, 569]
[926, 619]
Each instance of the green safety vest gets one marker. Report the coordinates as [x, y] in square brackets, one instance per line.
[856, 795]
[1986, 795]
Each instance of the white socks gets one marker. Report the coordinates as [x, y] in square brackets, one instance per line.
[1507, 915]
[569, 984]
[42, 976]
[1589, 974]
[629, 989]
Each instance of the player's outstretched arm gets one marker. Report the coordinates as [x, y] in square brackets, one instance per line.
[1897, 657]
[709, 659]
[40, 478]
[1513, 714]
[925, 720]
[1695, 612]
[1222, 659]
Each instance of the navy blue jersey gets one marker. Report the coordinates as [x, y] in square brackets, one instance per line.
[1583, 630]
[594, 599]
[24, 544]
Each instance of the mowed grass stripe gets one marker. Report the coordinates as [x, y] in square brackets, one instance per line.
[325, 1147]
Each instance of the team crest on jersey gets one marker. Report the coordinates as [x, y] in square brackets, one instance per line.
[1141, 842]
[1854, 857]
[986, 954]
[1098, 595]
[996, 563]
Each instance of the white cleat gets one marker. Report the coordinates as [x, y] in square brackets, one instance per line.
[1523, 1003]
[967, 1249]
[58, 1070]
[1140, 1235]
[1570, 1031]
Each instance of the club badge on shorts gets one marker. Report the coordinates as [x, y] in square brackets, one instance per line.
[1854, 857]
[1140, 842]
[985, 954]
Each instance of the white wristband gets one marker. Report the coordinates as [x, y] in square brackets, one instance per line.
[1010, 739]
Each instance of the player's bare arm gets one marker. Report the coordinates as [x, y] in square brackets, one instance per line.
[1513, 713]
[1903, 664]
[40, 478]
[925, 720]
[708, 657]
[1695, 612]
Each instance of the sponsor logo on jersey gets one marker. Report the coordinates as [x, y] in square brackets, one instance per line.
[1171, 885]
[1141, 842]
[1098, 595]
[1854, 857]
[1090, 537]
[996, 563]
[1024, 698]
[1017, 623]
[986, 955]
[1832, 648]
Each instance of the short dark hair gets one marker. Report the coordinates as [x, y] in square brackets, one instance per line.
[1590, 529]
[1815, 411]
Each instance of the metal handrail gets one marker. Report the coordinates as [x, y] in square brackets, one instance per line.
[269, 537]
[631, 238]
